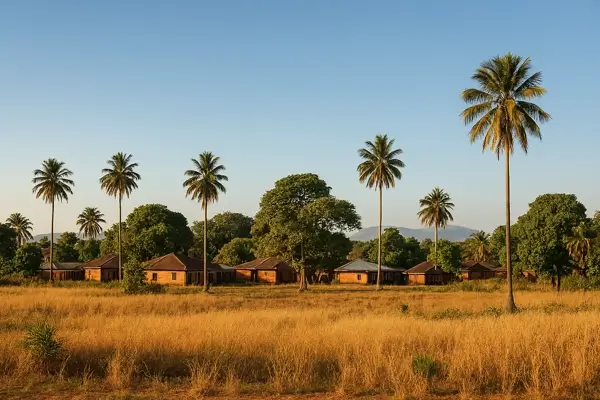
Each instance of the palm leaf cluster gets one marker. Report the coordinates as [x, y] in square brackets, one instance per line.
[52, 182]
[436, 208]
[204, 181]
[89, 222]
[22, 226]
[580, 243]
[381, 165]
[478, 247]
[120, 179]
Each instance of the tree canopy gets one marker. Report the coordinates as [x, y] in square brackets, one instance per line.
[221, 229]
[66, 250]
[448, 256]
[237, 251]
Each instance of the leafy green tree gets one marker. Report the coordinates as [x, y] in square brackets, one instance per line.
[152, 230]
[380, 168]
[360, 250]
[135, 277]
[477, 247]
[66, 250]
[448, 256]
[435, 211]
[110, 243]
[88, 249]
[579, 244]
[221, 229]
[28, 259]
[204, 183]
[426, 245]
[503, 116]
[51, 183]
[543, 232]
[89, 222]
[8, 245]
[299, 221]
[396, 250]
[237, 251]
[22, 227]
[44, 242]
[120, 180]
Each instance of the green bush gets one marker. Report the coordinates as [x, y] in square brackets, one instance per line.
[576, 282]
[425, 366]
[28, 259]
[134, 277]
[404, 308]
[42, 343]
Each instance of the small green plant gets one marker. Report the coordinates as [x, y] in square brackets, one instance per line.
[425, 366]
[134, 279]
[404, 308]
[42, 343]
[493, 311]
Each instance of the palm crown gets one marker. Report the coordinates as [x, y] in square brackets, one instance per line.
[579, 243]
[501, 104]
[52, 181]
[478, 246]
[22, 227]
[120, 179]
[89, 222]
[436, 208]
[204, 181]
[381, 165]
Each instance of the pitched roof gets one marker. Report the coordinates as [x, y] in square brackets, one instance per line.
[109, 261]
[179, 262]
[359, 265]
[425, 268]
[61, 266]
[264, 264]
[467, 265]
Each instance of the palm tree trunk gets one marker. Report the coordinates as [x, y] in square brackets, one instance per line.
[378, 287]
[205, 255]
[510, 304]
[52, 241]
[120, 244]
[435, 240]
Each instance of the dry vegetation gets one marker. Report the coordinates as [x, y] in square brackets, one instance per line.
[273, 340]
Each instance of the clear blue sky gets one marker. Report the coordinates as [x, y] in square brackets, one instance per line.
[280, 87]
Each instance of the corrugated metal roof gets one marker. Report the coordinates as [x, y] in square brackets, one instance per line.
[359, 265]
[61, 266]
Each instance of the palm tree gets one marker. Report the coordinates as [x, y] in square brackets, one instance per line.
[380, 168]
[435, 211]
[204, 184]
[22, 226]
[52, 183]
[504, 117]
[89, 222]
[579, 245]
[120, 180]
[478, 246]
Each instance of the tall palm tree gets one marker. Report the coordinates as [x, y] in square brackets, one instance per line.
[436, 211]
[204, 184]
[503, 116]
[89, 222]
[52, 183]
[478, 246]
[119, 180]
[380, 168]
[579, 245]
[22, 226]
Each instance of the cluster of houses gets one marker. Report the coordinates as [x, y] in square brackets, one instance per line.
[179, 269]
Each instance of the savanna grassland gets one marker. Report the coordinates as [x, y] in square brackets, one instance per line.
[333, 341]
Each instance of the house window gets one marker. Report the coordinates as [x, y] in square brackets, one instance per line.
[154, 276]
[174, 276]
[358, 277]
[265, 273]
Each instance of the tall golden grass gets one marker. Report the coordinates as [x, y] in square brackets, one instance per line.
[336, 339]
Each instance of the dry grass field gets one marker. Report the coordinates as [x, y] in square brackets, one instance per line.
[331, 342]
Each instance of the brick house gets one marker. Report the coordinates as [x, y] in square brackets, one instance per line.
[103, 269]
[179, 269]
[426, 273]
[363, 272]
[266, 270]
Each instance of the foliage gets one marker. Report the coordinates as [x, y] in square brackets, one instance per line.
[28, 259]
[120, 179]
[8, 242]
[477, 247]
[110, 243]
[89, 222]
[425, 366]
[44, 242]
[204, 182]
[134, 279]
[396, 250]
[221, 229]
[498, 247]
[88, 249]
[436, 209]
[381, 166]
[426, 245]
[543, 230]
[299, 219]
[52, 182]
[42, 343]
[22, 227]
[153, 230]
[66, 248]
[237, 251]
[448, 256]
[579, 244]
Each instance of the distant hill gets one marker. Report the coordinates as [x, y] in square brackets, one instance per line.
[37, 238]
[452, 232]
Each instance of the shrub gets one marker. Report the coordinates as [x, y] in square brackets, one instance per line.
[577, 282]
[28, 259]
[404, 308]
[425, 366]
[134, 278]
[42, 343]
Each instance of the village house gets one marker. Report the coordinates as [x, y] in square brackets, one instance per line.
[474, 270]
[426, 273]
[267, 270]
[363, 272]
[62, 271]
[179, 269]
[103, 269]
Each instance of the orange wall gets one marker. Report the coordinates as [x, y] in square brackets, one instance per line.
[416, 279]
[267, 276]
[243, 274]
[63, 275]
[353, 277]
[104, 275]
[165, 277]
